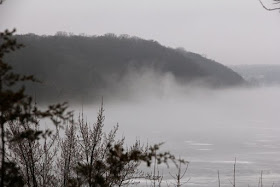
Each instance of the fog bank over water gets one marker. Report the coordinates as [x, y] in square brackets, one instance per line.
[208, 127]
[202, 107]
[80, 68]
[147, 84]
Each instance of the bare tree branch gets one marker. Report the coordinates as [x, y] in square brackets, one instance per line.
[270, 9]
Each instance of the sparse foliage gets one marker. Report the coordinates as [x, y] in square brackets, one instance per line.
[105, 161]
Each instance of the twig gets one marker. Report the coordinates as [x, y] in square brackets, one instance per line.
[234, 165]
[269, 9]
[261, 179]
[219, 179]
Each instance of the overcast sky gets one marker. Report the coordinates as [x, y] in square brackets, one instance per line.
[228, 31]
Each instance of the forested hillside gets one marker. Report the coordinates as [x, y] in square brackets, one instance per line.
[71, 66]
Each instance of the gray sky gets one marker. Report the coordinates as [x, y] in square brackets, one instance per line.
[228, 31]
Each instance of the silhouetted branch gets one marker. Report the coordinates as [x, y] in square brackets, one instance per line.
[219, 181]
[270, 9]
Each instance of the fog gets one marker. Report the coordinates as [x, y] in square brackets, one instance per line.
[208, 127]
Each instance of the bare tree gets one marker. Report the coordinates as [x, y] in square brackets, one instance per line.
[23, 153]
[180, 175]
[69, 155]
[35, 158]
[219, 181]
[155, 177]
[16, 107]
[233, 183]
[275, 3]
[98, 151]
[46, 163]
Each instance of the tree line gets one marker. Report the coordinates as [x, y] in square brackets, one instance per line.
[75, 66]
[76, 153]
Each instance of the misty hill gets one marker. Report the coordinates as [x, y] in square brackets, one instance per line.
[262, 75]
[73, 65]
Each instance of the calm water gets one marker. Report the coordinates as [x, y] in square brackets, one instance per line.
[207, 128]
